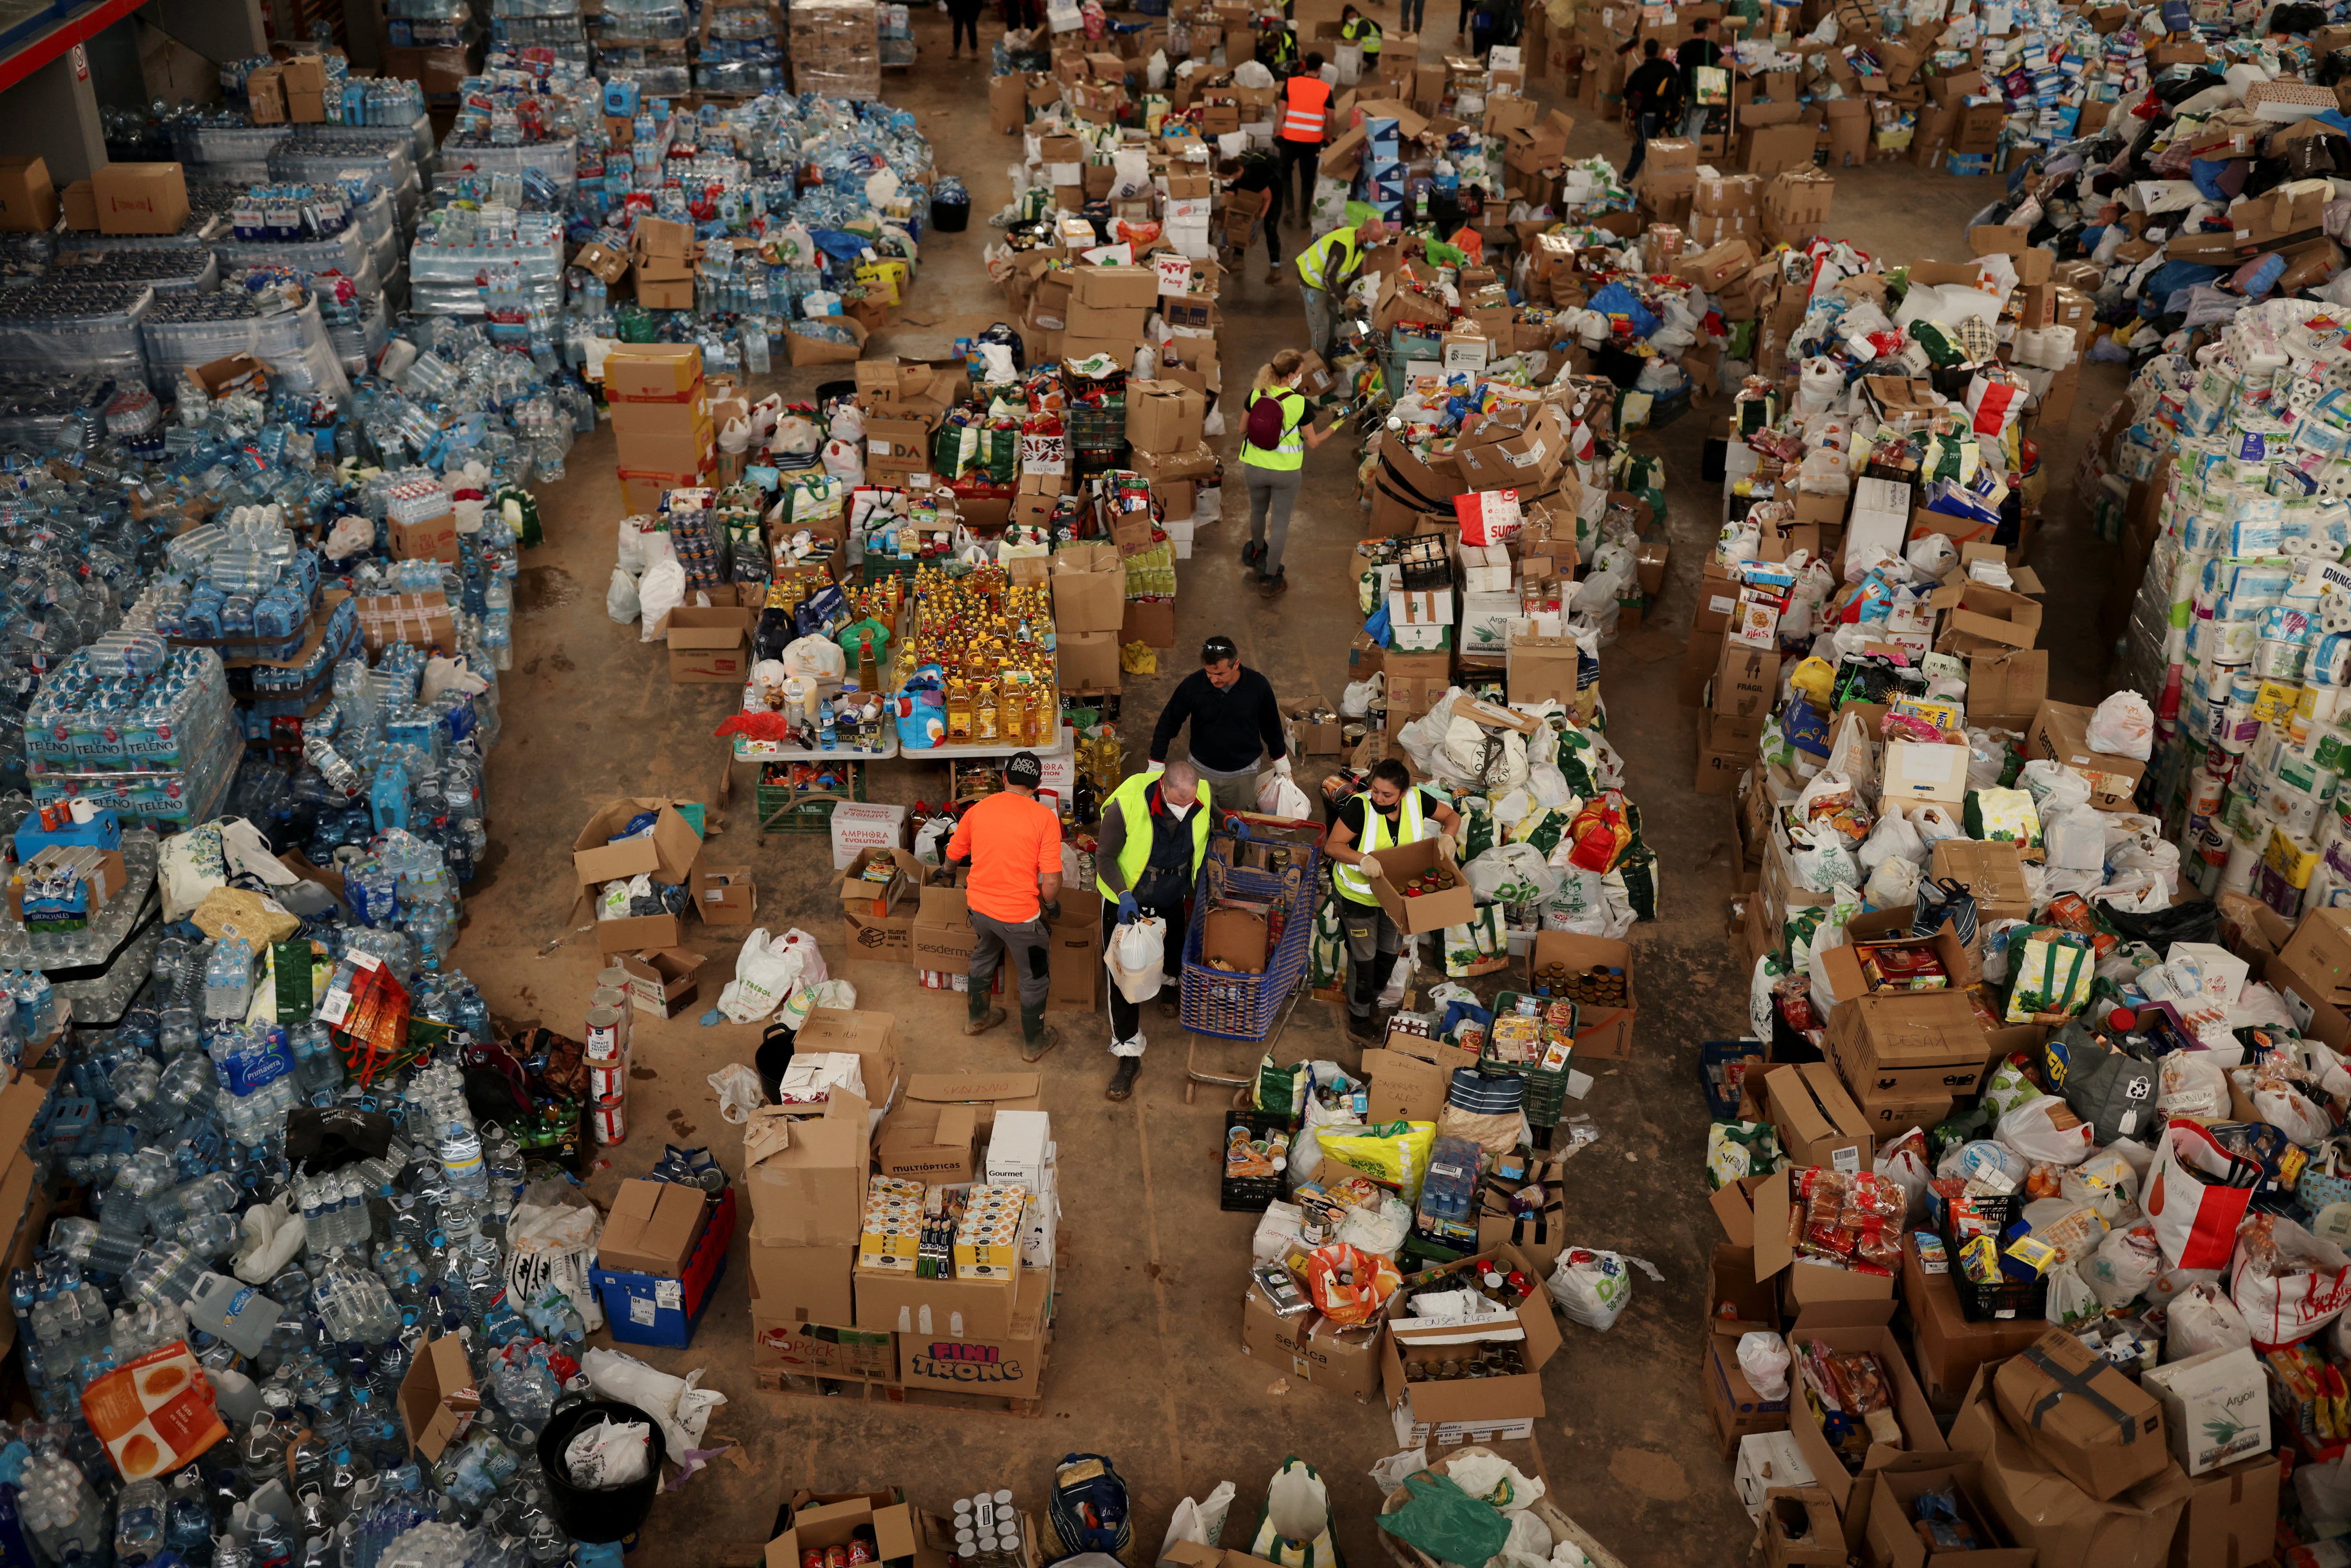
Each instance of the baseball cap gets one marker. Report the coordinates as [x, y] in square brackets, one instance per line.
[1024, 770]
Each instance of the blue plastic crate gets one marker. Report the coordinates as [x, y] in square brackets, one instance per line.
[654, 1309]
[1713, 1056]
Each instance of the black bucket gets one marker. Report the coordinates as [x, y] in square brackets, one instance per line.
[597, 1516]
[949, 217]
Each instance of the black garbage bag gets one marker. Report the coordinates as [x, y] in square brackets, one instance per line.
[2197, 921]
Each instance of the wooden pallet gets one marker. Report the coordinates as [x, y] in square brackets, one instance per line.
[772, 1382]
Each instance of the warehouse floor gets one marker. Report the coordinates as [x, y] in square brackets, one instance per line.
[1146, 1365]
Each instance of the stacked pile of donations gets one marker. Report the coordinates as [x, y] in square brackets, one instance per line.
[300, 1263]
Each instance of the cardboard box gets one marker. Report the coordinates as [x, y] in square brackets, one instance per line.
[2006, 686]
[2083, 1415]
[1726, 750]
[2215, 1407]
[1948, 1347]
[1747, 683]
[2231, 1521]
[140, 198]
[1074, 953]
[808, 1349]
[1164, 416]
[862, 825]
[1089, 588]
[1893, 1505]
[1994, 872]
[1861, 1325]
[1819, 1124]
[1116, 287]
[2060, 734]
[1899, 1045]
[1764, 1226]
[942, 937]
[805, 1172]
[1430, 912]
[935, 1310]
[1602, 1034]
[653, 372]
[1800, 1530]
[435, 539]
[1011, 1366]
[79, 202]
[710, 647]
[1410, 1075]
[1088, 661]
[1737, 1411]
[724, 894]
[2040, 1509]
[667, 853]
[1915, 773]
[1471, 1402]
[28, 202]
[662, 981]
[890, 1530]
[1310, 1348]
[653, 1228]
[438, 1399]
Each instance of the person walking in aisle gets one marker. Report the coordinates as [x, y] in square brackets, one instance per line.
[1305, 126]
[1690, 56]
[1257, 171]
[1326, 268]
[1653, 95]
[1389, 812]
[1277, 431]
[1410, 14]
[1150, 843]
[965, 17]
[1013, 842]
[1236, 724]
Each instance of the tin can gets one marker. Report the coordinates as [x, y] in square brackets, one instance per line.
[608, 1120]
[812, 1558]
[604, 1034]
[608, 1080]
[859, 1550]
[836, 1557]
[613, 997]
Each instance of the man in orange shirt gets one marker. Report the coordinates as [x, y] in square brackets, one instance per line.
[1013, 842]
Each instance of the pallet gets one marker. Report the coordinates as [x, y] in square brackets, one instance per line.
[772, 1382]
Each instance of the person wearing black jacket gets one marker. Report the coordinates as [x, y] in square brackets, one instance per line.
[1258, 172]
[1236, 724]
[1693, 54]
[1653, 97]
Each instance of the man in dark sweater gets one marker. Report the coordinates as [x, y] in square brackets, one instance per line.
[1696, 51]
[1653, 97]
[1236, 724]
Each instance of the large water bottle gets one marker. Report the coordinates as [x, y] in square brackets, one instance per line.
[461, 1161]
[166, 1271]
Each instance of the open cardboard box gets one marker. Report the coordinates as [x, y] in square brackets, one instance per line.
[1472, 1401]
[2060, 734]
[1861, 1325]
[438, 1399]
[1410, 1077]
[1819, 1124]
[663, 981]
[804, 1170]
[1399, 863]
[1808, 1284]
[1602, 1034]
[835, 1524]
[1893, 1504]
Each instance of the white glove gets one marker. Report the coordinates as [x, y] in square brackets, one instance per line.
[1281, 766]
[1155, 767]
[1368, 866]
[1451, 851]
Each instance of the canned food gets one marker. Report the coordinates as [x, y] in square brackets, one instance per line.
[836, 1557]
[608, 1080]
[812, 1558]
[859, 1550]
[604, 1034]
[608, 1120]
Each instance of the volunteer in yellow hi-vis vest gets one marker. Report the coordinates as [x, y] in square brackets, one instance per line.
[1274, 473]
[1152, 836]
[1390, 811]
[1325, 269]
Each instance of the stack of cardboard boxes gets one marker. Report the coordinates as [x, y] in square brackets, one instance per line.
[662, 253]
[832, 1297]
[836, 48]
[1163, 423]
[662, 1252]
[661, 418]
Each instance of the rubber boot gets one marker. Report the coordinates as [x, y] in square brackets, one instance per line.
[1037, 1036]
[1121, 1083]
[983, 1017]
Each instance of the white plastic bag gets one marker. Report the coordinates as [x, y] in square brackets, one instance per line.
[1280, 795]
[815, 659]
[1511, 874]
[2202, 1318]
[2032, 1131]
[1893, 885]
[610, 1454]
[738, 1091]
[2123, 1267]
[1135, 955]
[1595, 1287]
[2069, 1300]
[550, 1248]
[767, 970]
[1894, 838]
[1202, 1522]
[620, 600]
[1764, 1357]
[659, 592]
[2192, 1084]
[2123, 726]
[682, 1409]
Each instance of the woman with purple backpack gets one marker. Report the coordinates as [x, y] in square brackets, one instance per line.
[1277, 431]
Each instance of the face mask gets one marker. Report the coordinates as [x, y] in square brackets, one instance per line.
[1177, 811]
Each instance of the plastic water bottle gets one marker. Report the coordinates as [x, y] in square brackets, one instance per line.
[461, 1161]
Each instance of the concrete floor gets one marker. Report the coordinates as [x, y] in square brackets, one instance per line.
[1146, 1366]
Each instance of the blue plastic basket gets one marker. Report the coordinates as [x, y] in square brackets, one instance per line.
[1713, 1056]
[1227, 1006]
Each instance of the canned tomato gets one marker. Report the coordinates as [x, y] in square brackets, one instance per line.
[812, 1558]
[608, 1080]
[859, 1550]
[836, 1557]
[608, 1120]
[604, 1034]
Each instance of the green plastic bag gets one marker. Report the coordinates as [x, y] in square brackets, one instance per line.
[1445, 1522]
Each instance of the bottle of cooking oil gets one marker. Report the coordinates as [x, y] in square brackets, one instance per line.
[959, 713]
[986, 715]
